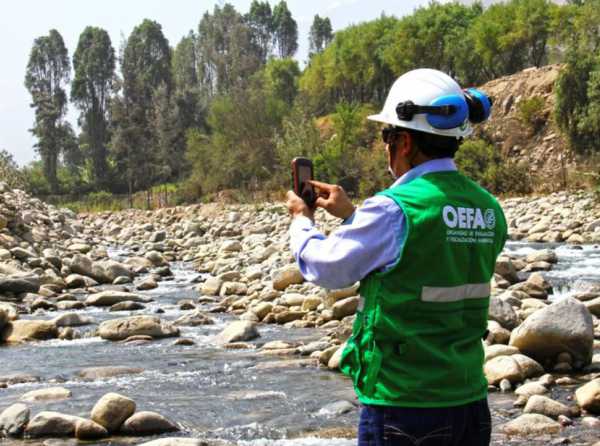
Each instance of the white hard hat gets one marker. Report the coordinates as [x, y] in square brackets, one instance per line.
[428, 101]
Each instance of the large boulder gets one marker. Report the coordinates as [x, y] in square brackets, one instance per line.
[546, 406]
[72, 320]
[112, 410]
[564, 326]
[119, 329]
[238, 331]
[588, 396]
[51, 424]
[20, 284]
[89, 430]
[503, 313]
[13, 420]
[28, 330]
[111, 297]
[515, 368]
[287, 276]
[147, 423]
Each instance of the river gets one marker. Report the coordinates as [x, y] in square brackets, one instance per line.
[238, 395]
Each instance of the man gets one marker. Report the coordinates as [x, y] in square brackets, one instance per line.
[424, 251]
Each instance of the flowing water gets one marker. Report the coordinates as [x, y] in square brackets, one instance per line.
[235, 395]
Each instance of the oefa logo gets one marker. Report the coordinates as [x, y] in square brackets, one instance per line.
[469, 218]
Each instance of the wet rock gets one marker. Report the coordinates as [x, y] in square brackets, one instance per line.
[531, 424]
[108, 271]
[506, 268]
[594, 306]
[544, 255]
[515, 368]
[10, 311]
[89, 430]
[237, 331]
[147, 423]
[184, 342]
[286, 316]
[287, 276]
[49, 394]
[82, 264]
[17, 285]
[505, 385]
[563, 326]
[178, 441]
[51, 424]
[112, 410]
[72, 320]
[345, 307]
[79, 281]
[18, 378]
[211, 286]
[529, 389]
[545, 406]
[501, 312]
[14, 419]
[336, 408]
[156, 258]
[111, 297]
[29, 330]
[194, 319]
[119, 329]
[334, 362]
[147, 284]
[591, 423]
[94, 373]
[588, 396]
[497, 334]
[127, 306]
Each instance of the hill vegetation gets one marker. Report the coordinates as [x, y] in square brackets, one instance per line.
[228, 106]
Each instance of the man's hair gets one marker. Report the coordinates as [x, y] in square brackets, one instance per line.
[435, 146]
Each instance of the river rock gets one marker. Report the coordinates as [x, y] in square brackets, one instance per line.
[127, 306]
[49, 394]
[194, 319]
[334, 362]
[111, 297]
[493, 351]
[545, 406]
[262, 309]
[238, 331]
[112, 410]
[515, 368]
[14, 419]
[119, 329]
[287, 276]
[345, 307]
[29, 330]
[147, 423]
[594, 306]
[82, 264]
[588, 396]
[108, 270]
[506, 268]
[22, 284]
[177, 441]
[531, 424]
[72, 320]
[503, 313]
[94, 373]
[563, 326]
[529, 389]
[156, 258]
[292, 299]
[336, 408]
[147, 284]
[544, 255]
[89, 430]
[3, 319]
[10, 310]
[51, 424]
[211, 286]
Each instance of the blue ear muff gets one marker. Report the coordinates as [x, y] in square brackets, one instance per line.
[453, 120]
[480, 105]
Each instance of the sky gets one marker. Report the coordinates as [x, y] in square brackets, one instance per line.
[23, 21]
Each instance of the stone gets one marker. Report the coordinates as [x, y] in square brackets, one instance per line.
[503, 313]
[529, 389]
[311, 303]
[127, 306]
[336, 408]
[288, 316]
[156, 258]
[593, 306]
[345, 307]
[17, 285]
[287, 276]
[112, 410]
[231, 246]
[10, 310]
[506, 268]
[262, 309]
[334, 295]
[72, 320]
[95, 373]
[544, 255]
[147, 423]
[238, 331]
[563, 326]
[89, 430]
[546, 406]
[211, 286]
[48, 394]
[14, 419]
[177, 441]
[111, 297]
[515, 368]
[194, 319]
[588, 396]
[28, 330]
[119, 329]
[108, 271]
[292, 299]
[493, 351]
[51, 424]
[147, 284]
[81, 264]
[22, 254]
[334, 362]
[531, 424]
[497, 334]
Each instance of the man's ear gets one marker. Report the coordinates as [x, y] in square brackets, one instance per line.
[405, 144]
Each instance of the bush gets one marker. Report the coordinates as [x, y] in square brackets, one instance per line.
[482, 163]
[9, 171]
[531, 113]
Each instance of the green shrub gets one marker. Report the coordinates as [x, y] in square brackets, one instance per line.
[484, 164]
[531, 113]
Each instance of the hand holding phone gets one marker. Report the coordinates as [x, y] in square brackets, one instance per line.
[302, 174]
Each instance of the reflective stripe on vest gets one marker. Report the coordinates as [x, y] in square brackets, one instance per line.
[456, 293]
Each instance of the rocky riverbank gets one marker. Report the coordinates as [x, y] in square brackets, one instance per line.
[545, 350]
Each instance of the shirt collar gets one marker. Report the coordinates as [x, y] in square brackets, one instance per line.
[435, 165]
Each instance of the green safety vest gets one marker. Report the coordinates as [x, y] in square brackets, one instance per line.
[417, 338]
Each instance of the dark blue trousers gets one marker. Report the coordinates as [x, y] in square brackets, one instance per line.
[468, 425]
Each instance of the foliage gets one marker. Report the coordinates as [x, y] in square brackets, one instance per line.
[530, 112]
[48, 72]
[483, 163]
[320, 35]
[10, 172]
[286, 30]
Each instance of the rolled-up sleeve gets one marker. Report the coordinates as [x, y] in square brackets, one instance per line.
[370, 240]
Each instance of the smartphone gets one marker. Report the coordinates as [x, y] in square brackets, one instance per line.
[302, 172]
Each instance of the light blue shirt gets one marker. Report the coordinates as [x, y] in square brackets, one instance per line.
[370, 240]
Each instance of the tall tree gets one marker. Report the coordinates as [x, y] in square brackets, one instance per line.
[146, 67]
[94, 66]
[321, 34]
[286, 30]
[47, 75]
[260, 20]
